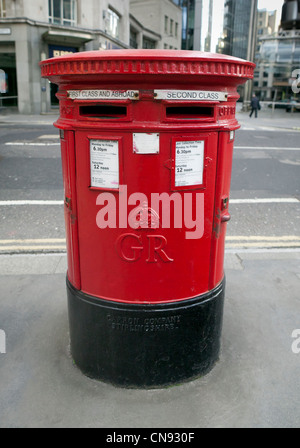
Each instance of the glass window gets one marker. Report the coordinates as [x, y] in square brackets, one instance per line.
[268, 51]
[171, 26]
[133, 38]
[285, 51]
[113, 23]
[56, 11]
[166, 24]
[296, 56]
[67, 10]
[62, 12]
[148, 43]
[2, 8]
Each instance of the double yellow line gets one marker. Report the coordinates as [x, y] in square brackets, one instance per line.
[232, 242]
[261, 242]
[33, 245]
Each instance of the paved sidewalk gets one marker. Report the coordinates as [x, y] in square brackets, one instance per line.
[267, 120]
[254, 384]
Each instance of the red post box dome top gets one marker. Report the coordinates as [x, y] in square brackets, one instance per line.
[129, 65]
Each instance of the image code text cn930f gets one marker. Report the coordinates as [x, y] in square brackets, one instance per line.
[146, 141]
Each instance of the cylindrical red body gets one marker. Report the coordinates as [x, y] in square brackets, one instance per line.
[147, 140]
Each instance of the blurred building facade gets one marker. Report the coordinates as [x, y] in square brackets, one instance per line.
[278, 57]
[31, 31]
[221, 26]
[163, 17]
[34, 30]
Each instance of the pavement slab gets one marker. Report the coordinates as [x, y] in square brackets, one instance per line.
[254, 384]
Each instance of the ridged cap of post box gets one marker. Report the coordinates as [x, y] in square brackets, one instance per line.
[98, 65]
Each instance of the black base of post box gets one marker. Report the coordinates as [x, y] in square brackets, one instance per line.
[145, 346]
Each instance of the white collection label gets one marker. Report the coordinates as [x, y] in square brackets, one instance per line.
[146, 143]
[104, 157]
[189, 162]
[190, 95]
[103, 94]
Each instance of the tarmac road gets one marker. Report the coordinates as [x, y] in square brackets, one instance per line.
[264, 201]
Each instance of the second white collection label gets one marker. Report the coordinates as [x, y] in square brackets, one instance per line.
[189, 163]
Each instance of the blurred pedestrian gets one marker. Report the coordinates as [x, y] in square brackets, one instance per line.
[255, 105]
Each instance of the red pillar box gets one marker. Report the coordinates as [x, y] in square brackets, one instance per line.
[147, 140]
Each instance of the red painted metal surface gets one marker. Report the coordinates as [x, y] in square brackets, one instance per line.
[70, 202]
[160, 264]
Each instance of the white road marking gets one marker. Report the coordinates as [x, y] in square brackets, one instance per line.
[271, 148]
[32, 144]
[48, 136]
[264, 201]
[268, 129]
[31, 202]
